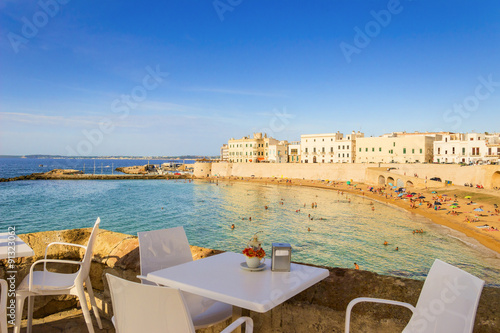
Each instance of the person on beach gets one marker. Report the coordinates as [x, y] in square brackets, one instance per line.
[356, 266]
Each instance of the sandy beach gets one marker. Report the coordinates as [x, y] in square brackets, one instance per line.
[464, 218]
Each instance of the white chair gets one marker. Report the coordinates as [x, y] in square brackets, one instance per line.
[146, 308]
[447, 303]
[3, 306]
[45, 282]
[165, 248]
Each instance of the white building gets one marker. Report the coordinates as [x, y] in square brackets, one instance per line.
[224, 152]
[467, 148]
[294, 152]
[398, 147]
[328, 148]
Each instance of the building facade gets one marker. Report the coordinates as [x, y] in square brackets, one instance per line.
[224, 153]
[468, 148]
[328, 148]
[253, 149]
[396, 148]
[294, 152]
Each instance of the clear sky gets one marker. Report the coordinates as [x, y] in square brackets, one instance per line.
[182, 77]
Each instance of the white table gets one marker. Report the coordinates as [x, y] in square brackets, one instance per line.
[221, 278]
[11, 246]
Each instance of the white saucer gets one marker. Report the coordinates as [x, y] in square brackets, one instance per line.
[244, 266]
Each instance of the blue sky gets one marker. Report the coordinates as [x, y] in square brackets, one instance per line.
[182, 77]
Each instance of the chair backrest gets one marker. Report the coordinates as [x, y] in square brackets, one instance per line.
[448, 301]
[143, 308]
[163, 248]
[87, 258]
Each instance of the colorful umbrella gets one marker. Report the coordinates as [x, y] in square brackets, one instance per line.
[479, 210]
[437, 203]
[468, 197]
[390, 184]
[433, 192]
[421, 197]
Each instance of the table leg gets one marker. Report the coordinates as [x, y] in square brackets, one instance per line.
[238, 312]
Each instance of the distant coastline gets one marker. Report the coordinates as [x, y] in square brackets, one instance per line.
[182, 157]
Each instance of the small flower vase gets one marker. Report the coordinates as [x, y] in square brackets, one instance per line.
[253, 262]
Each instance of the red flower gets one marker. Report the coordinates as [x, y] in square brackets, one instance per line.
[251, 253]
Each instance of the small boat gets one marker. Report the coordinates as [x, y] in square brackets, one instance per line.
[40, 165]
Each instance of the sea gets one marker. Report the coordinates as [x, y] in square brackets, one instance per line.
[322, 226]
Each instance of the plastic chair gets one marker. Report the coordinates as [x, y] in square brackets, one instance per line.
[165, 248]
[3, 306]
[146, 308]
[447, 303]
[45, 282]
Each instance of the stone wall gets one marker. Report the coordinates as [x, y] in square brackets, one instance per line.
[486, 175]
[320, 308]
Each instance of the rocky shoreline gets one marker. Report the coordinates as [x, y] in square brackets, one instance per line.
[78, 175]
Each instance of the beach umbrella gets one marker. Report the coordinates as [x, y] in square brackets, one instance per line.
[437, 203]
[445, 195]
[409, 196]
[468, 197]
[400, 194]
[413, 193]
[479, 210]
[434, 192]
[394, 187]
[421, 197]
[390, 184]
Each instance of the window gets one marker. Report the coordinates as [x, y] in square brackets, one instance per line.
[314, 149]
[453, 150]
[343, 155]
[323, 140]
[347, 146]
[394, 144]
[331, 149]
[404, 150]
[306, 152]
[339, 147]
[413, 151]
[420, 150]
[314, 140]
[439, 150]
[373, 149]
[366, 149]
[339, 155]
[343, 147]
[347, 154]
[323, 149]
[463, 151]
[359, 149]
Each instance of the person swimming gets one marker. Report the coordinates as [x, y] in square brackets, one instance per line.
[232, 226]
[385, 243]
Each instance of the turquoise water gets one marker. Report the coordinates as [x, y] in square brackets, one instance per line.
[349, 232]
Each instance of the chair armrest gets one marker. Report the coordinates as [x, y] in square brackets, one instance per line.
[145, 278]
[44, 261]
[372, 300]
[60, 243]
[238, 322]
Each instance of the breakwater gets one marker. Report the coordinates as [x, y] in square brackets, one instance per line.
[46, 176]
